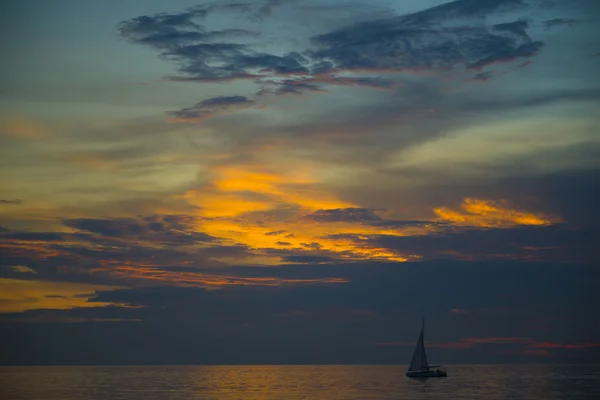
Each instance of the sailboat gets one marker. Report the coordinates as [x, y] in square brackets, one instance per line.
[419, 367]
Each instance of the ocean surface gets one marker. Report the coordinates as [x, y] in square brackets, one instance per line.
[488, 382]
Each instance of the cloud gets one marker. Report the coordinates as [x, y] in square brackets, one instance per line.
[570, 22]
[260, 321]
[306, 259]
[484, 76]
[442, 37]
[32, 236]
[290, 86]
[208, 108]
[568, 194]
[292, 225]
[320, 83]
[344, 215]
[485, 213]
[529, 243]
[200, 54]
[275, 233]
[19, 295]
[451, 35]
[23, 269]
[14, 202]
[192, 277]
[164, 229]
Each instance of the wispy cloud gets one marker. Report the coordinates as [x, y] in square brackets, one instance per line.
[441, 38]
[570, 22]
[12, 202]
[19, 295]
[485, 213]
[210, 107]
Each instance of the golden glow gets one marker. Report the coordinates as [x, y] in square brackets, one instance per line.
[245, 204]
[236, 190]
[285, 201]
[20, 295]
[489, 214]
[224, 204]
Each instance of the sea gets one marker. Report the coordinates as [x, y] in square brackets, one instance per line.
[332, 382]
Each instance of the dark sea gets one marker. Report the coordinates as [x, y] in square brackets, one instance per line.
[488, 382]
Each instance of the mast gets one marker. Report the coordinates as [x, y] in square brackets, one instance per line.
[419, 359]
[424, 363]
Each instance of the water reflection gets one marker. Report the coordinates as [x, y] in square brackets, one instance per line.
[298, 382]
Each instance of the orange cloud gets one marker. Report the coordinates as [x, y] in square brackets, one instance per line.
[18, 295]
[243, 204]
[490, 214]
[192, 278]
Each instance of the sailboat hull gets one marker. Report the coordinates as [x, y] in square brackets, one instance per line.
[426, 374]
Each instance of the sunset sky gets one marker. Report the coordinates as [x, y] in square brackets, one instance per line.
[287, 181]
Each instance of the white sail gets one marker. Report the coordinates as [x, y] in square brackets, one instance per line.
[419, 359]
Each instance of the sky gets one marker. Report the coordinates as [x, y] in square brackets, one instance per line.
[299, 182]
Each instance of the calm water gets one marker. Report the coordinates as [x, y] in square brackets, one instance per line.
[297, 382]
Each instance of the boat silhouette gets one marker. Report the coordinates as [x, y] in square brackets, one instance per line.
[419, 367]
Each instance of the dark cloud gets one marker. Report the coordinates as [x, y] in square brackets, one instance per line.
[539, 244]
[200, 54]
[13, 202]
[308, 259]
[391, 223]
[320, 83]
[573, 195]
[366, 81]
[484, 76]
[7, 234]
[108, 227]
[275, 233]
[422, 41]
[561, 21]
[164, 30]
[344, 215]
[207, 108]
[431, 39]
[313, 245]
[168, 31]
[118, 251]
[307, 254]
[289, 86]
[172, 228]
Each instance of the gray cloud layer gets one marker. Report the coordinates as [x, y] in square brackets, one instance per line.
[451, 35]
